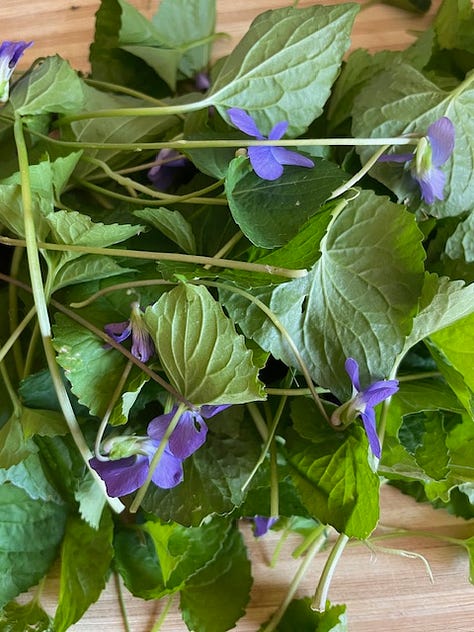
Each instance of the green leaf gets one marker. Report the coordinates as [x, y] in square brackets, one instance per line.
[461, 243]
[201, 353]
[332, 472]
[214, 475]
[91, 499]
[164, 61]
[300, 616]
[284, 67]
[172, 224]
[30, 532]
[283, 205]
[454, 25]
[469, 546]
[29, 475]
[189, 26]
[184, 551]
[137, 562]
[87, 268]
[402, 101]
[442, 303]
[453, 377]
[92, 370]
[86, 555]
[215, 598]
[457, 344]
[14, 447]
[361, 295]
[29, 617]
[52, 86]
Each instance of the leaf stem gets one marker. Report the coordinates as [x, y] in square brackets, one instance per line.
[163, 614]
[156, 458]
[121, 600]
[360, 174]
[322, 589]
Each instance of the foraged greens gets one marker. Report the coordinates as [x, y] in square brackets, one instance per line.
[239, 290]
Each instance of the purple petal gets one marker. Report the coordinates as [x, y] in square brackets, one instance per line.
[122, 476]
[169, 471]
[209, 411]
[202, 81]
[159, 425]
[441, 136]
[278, 130]
[368, 419]
[262, 525]
[432, 185]
[352, 370]
[264, 163]
[119, 331]
[189, 435]
[378, 392]
[244, 122]
[396, 157]
[142, 345]
[12, 51]
[287, 157]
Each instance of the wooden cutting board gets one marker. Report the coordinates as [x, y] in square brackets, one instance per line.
[383, 592]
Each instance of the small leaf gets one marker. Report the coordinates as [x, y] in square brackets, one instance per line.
[14, 446]
[29, 617]
[30, 532]
[215, 598]
[85, 561]
[300, 616]
[29, 475]
[202, 354]
[172, 224]
[284, 67]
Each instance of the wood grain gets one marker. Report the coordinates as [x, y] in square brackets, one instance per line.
[383, 592]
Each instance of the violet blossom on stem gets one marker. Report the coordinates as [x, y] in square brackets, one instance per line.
[167, 167]
[261, 524]
[130, 458]
[432, 151]
[10, 53]
[362, 403]
[142, 343]
[267, 161]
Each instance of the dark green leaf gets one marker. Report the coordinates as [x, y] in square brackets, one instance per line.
[29, 617]
[300, 616]
[172, 224]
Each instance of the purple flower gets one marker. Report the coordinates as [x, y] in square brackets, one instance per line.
[432, 151]
[262, 524]
[202, 81]
[130, 457]
[267, 162]
[167, 167]
[142, 343]
[362, 403]
[10, 53]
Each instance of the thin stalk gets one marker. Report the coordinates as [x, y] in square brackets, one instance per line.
[322, 589]
[122, 604]
[227, 247]
[13, 337]
[418, 376]
[13, 307]
[259, 422]
[31, 350]
[305, 564]
[360, 174]
[156, 458]
[274, 492]
[113, 87]
[167, 256]
[163, 614]
[117, 287]
[10, 390]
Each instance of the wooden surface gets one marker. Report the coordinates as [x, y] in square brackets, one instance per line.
[383, 592]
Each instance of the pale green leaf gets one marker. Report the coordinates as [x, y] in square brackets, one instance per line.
[402, 101]
[361, 295]
[284, 67]
[91, 498]
[86, 268]
[86, 555]
[172, 224]
[30, 532]
[201, 353]
[29, 476]
[457, 344]
[14, 446]
[461, 243]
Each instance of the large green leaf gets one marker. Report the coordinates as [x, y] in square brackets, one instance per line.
[361, 296]
[270, 213]
[85, 561]
[202, 354]
[215, 598]
[284, 67]
[30, 532]
[457, 344]
[402, 101]
[332, 472]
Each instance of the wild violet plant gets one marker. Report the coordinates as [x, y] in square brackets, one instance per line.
[181, 364]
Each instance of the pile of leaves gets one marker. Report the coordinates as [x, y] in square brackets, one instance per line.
[285, 237]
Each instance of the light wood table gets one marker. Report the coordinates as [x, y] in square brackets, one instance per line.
[383, 592]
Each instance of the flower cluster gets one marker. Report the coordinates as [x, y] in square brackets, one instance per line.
[129, 458]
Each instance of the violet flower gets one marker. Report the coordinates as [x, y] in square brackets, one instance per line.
[267, 161]
[262, 524]
[10, 53]
[168, 163]
[362, 403]
[130, 457]
[142, 343]
[432, 151]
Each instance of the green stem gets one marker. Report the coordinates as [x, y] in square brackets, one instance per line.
[227, 247]
[156, 458]
[322, 589]
[114, 87]
[305, 564]
[121, 600]
[259, 422]
[167, 256]
[163, 614]
[274, 491]
[10, 390]
[13, 307]
[12, 339]
[418, 376]
[360, 174]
